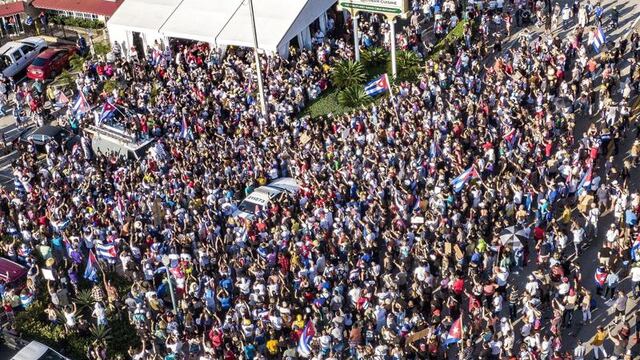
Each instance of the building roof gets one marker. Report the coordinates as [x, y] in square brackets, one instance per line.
[98, 7]
[222, 22]
[12, 8]
[128, 15]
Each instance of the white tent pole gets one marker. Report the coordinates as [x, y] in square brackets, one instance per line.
[258, 69]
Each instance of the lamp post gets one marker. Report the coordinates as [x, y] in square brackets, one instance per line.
[255, 49]
[166, 261]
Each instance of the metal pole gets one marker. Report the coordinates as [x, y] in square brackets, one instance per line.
[394, 70]
[356, 42]
[258, 70]
[173, 296]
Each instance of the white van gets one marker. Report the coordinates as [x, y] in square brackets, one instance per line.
[15, 56]
[263, 196]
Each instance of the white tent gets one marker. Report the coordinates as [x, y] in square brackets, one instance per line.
[144, 17]
[220, 23]
[277, 23]
[200, 20]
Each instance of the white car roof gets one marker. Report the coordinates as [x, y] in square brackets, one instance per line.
[33, 351]
[287, 184]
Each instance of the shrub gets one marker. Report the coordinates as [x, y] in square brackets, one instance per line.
[76, 62]
[409, 65]
[375, 56]
[347, 73]
[353, 96]
[77, 22]
[101, 48]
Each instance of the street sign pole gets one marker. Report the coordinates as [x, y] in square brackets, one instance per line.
[392, 20]
[356, 41]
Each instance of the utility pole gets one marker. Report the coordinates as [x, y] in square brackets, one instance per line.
[258, 68]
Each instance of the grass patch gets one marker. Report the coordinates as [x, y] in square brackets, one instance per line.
[325, 104]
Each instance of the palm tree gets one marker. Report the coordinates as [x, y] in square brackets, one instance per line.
[100, 333]
[375, 56]
[347, 73]
[353, 96]
[409, 65]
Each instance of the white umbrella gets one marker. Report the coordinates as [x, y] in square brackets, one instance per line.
[514, 236]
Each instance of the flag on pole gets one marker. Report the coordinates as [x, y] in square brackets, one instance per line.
[81, 106]
[91, 271]
[459, 182]
[586, 180]
[377, 86]
[107, 251]
[599, 39]
[184, 128]
[61, 99]
[635, 250]
[304, 343]
[455, 332]
[108, 110]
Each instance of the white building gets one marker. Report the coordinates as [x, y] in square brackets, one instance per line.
[140, 23]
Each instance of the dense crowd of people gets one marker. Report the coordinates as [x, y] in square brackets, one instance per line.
[444, 221]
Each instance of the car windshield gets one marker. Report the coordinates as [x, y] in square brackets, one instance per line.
[51, 355]
[248, 207]
[39, 62]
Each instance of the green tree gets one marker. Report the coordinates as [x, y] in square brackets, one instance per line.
[347, 73]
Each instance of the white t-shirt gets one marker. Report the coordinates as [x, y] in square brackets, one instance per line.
[635, 274]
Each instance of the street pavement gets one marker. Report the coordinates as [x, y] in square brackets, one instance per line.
[587, 260]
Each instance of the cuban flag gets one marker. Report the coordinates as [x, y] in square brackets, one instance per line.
[459, 182]
[107, 251]
[377, 86]
[600, 276]
[455, 333]
[599, 39]
[586, 179]
[61, 100]
[81, 106]
[91, 271]
[511, 138]
[304, 343]
[635, 250]
[185, 133]
[108, 110]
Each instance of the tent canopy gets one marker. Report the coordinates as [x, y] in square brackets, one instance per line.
[143, 15]
[225, 22]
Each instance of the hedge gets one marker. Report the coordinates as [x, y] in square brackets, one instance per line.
[77, 22]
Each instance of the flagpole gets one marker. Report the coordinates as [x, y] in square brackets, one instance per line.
[461, 332]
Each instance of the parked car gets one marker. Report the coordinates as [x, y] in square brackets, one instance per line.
[13, 274]
[50, 63]
[263, 196]
[40, 136]
[38, 351]
[15, 56]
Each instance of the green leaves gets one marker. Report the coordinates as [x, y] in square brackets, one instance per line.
[375, 57]
[409, 66]
[348, 73]
[353, 96]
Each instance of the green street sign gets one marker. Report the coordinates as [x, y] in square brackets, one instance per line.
[370, 8]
